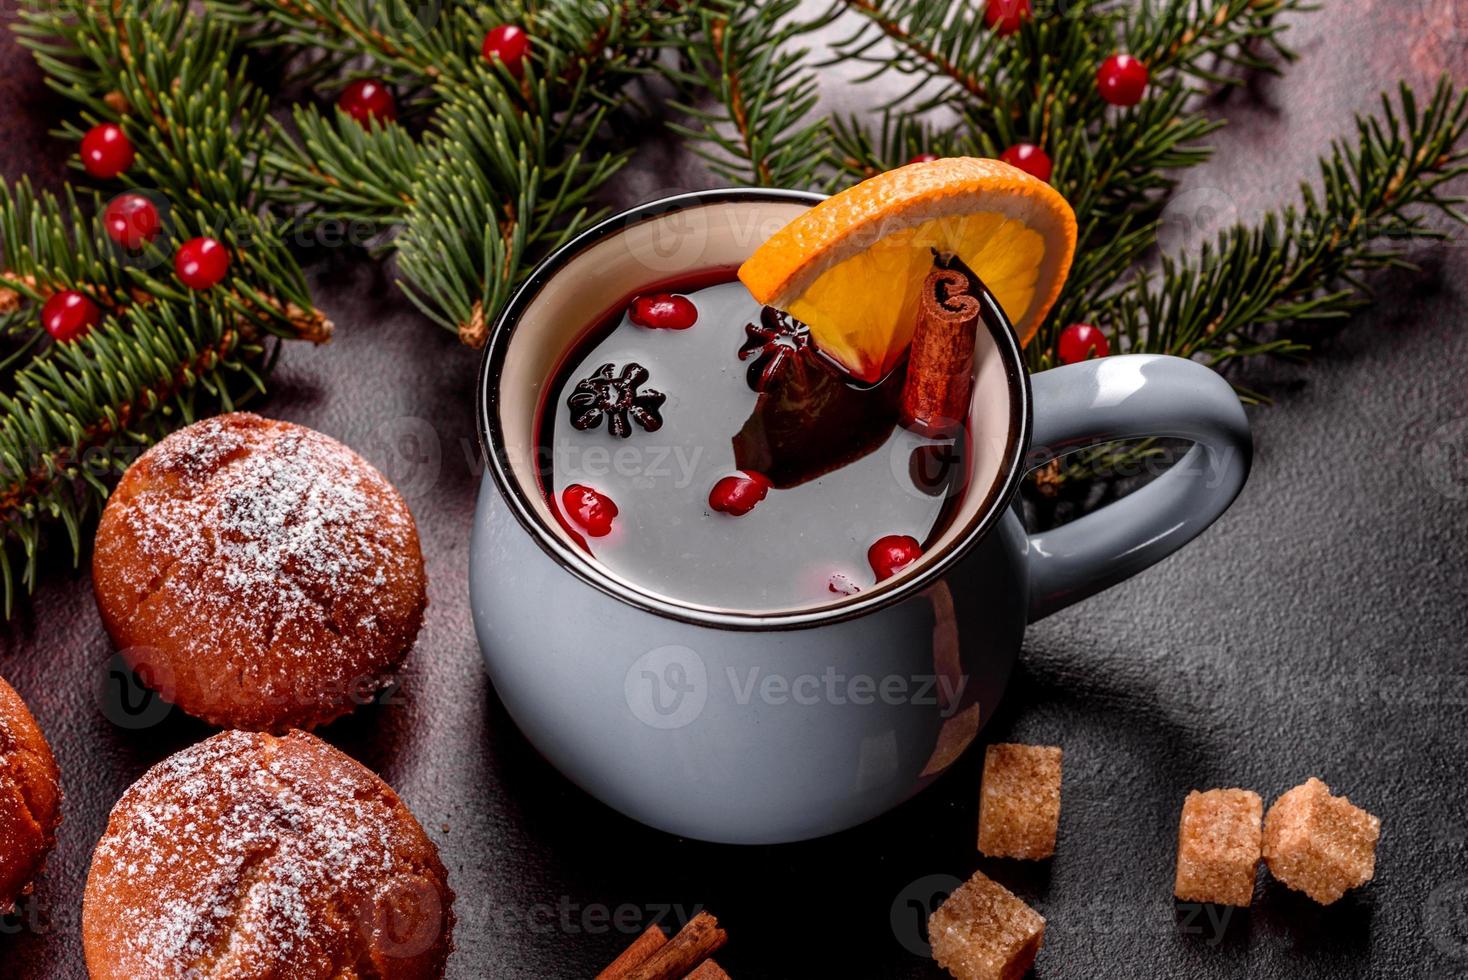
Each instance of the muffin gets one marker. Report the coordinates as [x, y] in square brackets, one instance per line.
[258, 574]
[252, 855]
[30, 798]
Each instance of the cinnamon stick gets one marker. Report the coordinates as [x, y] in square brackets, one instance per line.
[652, 939]
[695, 942]
[708, 970]
[940, 364]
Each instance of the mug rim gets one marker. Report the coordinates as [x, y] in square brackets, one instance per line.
[584, 567]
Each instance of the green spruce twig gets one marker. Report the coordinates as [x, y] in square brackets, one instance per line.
[73, 415]
[749, 93]
[507, 163]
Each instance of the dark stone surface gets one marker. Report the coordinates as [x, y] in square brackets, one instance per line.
[1317, 629]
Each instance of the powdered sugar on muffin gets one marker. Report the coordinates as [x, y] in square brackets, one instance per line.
[249, 855]
[258, 573]
[30, 798]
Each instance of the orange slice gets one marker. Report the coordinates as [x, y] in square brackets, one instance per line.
[851, 267]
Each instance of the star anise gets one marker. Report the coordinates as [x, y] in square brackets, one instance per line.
[776, 344]
[618, 399]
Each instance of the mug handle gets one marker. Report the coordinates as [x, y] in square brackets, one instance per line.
[1133, 396]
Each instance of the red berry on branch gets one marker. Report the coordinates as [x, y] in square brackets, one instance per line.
[201, 263]
[737, 495]
[367, 99]
[1005, 16]
[106, 151]
[1122, 79]
[507, 43]
[593, 510]
[1081, 342]
[891, 554]
[131, 220]
[663, 311]
[68, 315]
[1029, 158]
[923, 158]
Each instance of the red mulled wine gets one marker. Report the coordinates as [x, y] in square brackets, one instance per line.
[699, 446]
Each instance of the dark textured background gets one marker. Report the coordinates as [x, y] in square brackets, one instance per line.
[1319, 628]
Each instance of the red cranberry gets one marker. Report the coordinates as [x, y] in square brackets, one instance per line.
[593, 510]
[1081, 342]
[131, 220]
[106, 151]
[842, 584]
[508, 43]
[663, 311]
[891, 554]
[1005, 16]
[201, 263]
[367, 99]
[68, 315]
[737, 495]
[1122, 79]
[923, 158]
[1029, 158]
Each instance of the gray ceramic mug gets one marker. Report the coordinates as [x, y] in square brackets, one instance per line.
[777, 725]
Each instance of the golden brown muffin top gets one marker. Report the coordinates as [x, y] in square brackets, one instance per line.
[249, 855]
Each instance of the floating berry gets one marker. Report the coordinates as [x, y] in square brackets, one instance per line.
[776, 344]
[737, 495]
[106, 151]
[508, 43]
[1081, 342]
[131, 220]
[663, 311]
[592, 509]
[1122, 79]
[68, 315]
[891, 554]
[367, 99]
[1005, 16]
[1029, 158]
[617, 400]
[201, 262]
[841, 584]
[923, 158]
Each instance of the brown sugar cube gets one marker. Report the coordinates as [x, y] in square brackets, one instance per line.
[1019, 803]
[1218, 847]
[983, 932]
[1320, 844]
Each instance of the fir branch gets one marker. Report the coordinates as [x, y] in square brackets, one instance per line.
[73, 415]
[494, 187]
[760, 131]
[946, 46]
[1242, 293]
[505, 168]
[343, 171]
